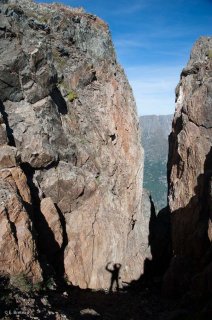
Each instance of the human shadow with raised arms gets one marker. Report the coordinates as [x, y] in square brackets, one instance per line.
[114, 275]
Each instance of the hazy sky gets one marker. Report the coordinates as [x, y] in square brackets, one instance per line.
[153, 39]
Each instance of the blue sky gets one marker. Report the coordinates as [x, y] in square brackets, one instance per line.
[152, 39]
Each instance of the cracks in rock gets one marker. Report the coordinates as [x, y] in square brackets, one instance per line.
[11, 140]
[53, 164]
[84, 274]
[189, 71]
[81, 264]
[61, 268]
[112, 174]
[199, 125]
[180, 166]
[113, 190]
[132, 223]
[113, 137]
[133, 220]
[58, 184]
[178, 125]
[135, 177]
[192, 121]
[94, 125]
[12, 226]
[93, 236]
[45, 239]
[8, 84]
[89, 79]
[81, 194]
[84, 164]
[75, 257]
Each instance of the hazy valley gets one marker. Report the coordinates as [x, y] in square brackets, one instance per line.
[154, 138]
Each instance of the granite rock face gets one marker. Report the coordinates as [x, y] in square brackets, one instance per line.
[190, 171]
[69, 125]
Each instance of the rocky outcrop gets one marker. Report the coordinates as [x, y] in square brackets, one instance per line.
[189, 174]
[70, 122]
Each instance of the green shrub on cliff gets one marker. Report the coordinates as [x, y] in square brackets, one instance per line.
[210, 54]
[24, 283]
[21, 282]
[72, 96]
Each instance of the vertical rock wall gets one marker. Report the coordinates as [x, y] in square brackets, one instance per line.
[190, 167]
[70, 116]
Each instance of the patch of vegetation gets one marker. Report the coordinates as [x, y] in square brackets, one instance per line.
[35, 15]
[98, 179]
[50, 284]
[209, 54]
[72, 96]
[61, 62]
[60, 6]
[82, 141]
[37, 286]
[23, 283]
[15, 8]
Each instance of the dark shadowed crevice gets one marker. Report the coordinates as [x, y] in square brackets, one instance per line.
[11, 140]
[191, 243]
[113, 137]
[12, 226]
[59, 101]
[81, 193]
[159, 242]
[60, 265]
[50, 165]
[48, 247]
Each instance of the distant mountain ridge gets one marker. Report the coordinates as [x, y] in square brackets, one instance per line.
[155, 130]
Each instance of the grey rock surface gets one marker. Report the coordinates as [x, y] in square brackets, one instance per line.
[69, 112]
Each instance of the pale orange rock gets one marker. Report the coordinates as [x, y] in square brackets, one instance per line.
[21, 183]
[52, 218]
[8, 156]
[18, 252]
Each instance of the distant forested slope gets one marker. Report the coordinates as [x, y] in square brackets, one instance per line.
[155, 131]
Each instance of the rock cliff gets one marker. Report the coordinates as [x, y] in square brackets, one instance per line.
[190, 174]
[70, 156]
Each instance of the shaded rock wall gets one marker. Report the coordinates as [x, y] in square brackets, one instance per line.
[190, 171]
[70, 120]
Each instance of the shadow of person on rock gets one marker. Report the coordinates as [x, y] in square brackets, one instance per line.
[114, 275]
